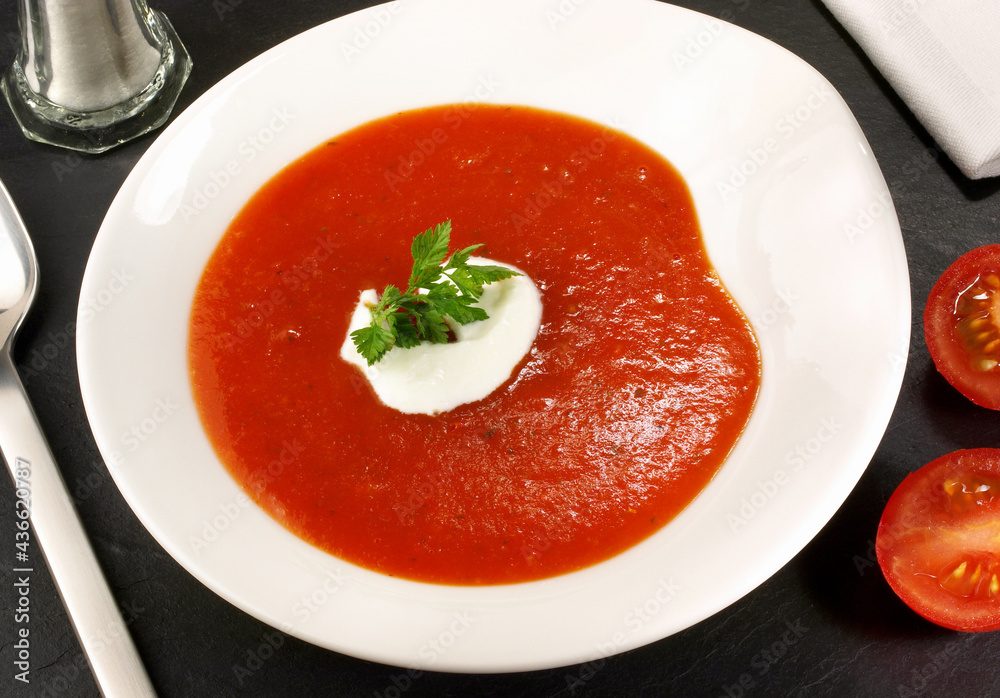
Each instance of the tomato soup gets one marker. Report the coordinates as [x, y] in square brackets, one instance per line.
[642, 376]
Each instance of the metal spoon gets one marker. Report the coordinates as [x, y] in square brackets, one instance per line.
[39, 485]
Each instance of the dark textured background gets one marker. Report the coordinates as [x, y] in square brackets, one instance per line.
[853, 637]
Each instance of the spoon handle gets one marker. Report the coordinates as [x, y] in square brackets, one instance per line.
[59, 533]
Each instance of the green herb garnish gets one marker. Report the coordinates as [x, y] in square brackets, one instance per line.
[406, 318]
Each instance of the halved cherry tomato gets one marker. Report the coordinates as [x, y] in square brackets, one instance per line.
[938, 541]
[962, 325]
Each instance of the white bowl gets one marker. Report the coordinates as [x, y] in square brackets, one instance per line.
[796, 218]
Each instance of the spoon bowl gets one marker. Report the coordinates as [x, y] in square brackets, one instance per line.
[18, 271]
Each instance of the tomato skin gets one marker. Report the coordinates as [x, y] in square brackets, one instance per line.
[956, 350]
[938, 541]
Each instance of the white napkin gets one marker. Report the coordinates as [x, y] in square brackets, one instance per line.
[943, 58]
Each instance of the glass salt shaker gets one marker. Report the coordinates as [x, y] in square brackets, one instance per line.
[92, 74]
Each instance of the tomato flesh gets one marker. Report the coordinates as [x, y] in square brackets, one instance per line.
[962, 325]
[976, 321]
[938, 541]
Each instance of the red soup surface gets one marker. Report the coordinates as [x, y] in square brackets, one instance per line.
[640, 381]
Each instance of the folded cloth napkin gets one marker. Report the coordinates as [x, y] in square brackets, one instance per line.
[943, 58]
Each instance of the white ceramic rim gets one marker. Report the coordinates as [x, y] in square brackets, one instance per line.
[797, 219]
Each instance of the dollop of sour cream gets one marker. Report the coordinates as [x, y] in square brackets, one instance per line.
[433, 378]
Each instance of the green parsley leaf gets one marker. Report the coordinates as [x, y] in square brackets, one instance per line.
[461, 258]
[451, 289]
[488, 273]
[429, 250]
[372, 341]
[406, 334]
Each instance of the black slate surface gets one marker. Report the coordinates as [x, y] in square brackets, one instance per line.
[825, 625]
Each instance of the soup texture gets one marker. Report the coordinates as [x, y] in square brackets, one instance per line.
[642, 376]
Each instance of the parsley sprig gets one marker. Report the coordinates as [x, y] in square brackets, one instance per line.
[451, 289]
